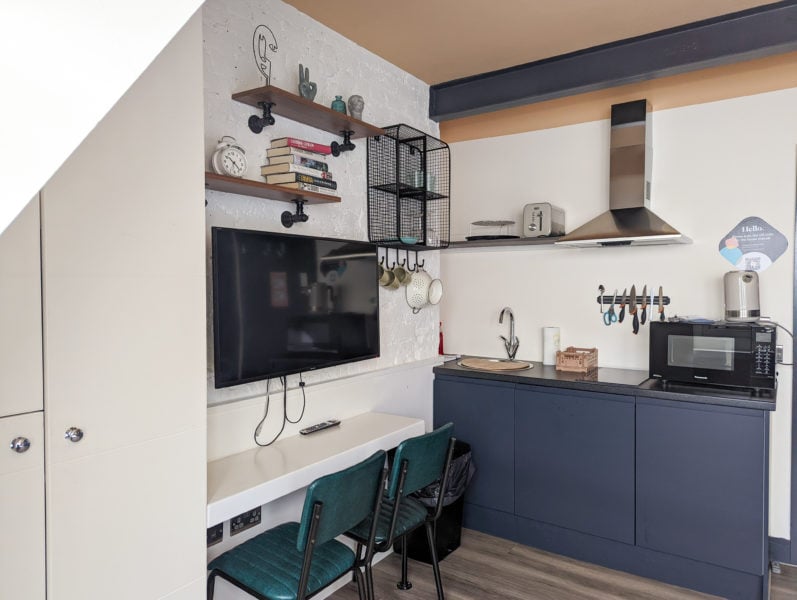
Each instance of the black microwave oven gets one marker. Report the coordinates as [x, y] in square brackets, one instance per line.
[727, 354]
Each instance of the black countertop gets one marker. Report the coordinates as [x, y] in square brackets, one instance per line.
[617, 381]
[607, 380]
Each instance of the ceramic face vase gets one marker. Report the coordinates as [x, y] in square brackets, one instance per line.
[356, 105]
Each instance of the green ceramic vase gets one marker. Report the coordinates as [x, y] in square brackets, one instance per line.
[338, 105]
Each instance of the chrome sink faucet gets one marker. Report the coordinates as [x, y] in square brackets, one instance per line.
[512, 343]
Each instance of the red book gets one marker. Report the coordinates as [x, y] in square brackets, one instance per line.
[303, 144]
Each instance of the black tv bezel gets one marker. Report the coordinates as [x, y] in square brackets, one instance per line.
[290, 371]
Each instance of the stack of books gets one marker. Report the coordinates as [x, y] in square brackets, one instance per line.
[300, 165]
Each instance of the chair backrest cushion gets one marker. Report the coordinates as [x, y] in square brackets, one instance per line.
[426, 457]
[348, 498]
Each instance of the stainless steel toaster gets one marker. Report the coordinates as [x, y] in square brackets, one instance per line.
[543, 219]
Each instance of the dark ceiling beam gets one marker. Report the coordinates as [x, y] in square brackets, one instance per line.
[755, 33]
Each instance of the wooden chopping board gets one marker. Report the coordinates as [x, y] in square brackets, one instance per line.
[491, 364]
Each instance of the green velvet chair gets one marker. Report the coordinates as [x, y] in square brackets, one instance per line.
[418, 462]
[294, 561]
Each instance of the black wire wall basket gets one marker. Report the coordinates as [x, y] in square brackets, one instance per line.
[408, 189]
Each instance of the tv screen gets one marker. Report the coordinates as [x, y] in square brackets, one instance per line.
[286, 304]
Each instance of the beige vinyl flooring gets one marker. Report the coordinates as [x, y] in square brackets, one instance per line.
[489, 567]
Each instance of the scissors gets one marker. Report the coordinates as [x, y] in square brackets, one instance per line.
[610, 316]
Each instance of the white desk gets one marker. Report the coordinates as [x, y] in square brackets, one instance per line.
[243, 481]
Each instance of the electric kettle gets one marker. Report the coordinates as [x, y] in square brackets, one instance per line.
[741, 296]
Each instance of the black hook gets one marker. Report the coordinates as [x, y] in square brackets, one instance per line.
[345, 146]
[256, 124]
[421, 263]
[403, 262]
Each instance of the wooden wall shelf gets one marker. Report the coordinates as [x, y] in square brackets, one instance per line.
[259, 189]
[306, 111]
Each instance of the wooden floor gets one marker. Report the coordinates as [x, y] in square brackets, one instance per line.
[784, 585]
[488, 567]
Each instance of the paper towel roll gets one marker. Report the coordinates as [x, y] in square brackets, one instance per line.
[550, 345]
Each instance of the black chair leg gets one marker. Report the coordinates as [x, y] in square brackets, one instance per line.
[435, 564]
[356, 560]
[211, 584]
[404, 584]
[369, 581]
[362, 591]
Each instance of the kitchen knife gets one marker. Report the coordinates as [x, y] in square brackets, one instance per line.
[632, 309]
[661, 305]
[622, 306]
[644, 316]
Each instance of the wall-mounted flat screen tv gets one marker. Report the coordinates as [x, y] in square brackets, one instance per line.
[286, 304]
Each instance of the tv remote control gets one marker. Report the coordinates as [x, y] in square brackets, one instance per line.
[319, 426]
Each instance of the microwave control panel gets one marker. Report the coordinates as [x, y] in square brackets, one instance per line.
[764, 353]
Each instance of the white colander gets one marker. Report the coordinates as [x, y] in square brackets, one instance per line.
[418, 290]
[435, 291]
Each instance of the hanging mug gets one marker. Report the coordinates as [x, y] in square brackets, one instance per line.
[403, 275]
[385, 276]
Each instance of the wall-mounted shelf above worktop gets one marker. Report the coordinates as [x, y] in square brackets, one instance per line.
[306, 111]
[499, 243]
[259, 189]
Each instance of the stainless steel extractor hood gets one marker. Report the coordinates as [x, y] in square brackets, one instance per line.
[628, 220]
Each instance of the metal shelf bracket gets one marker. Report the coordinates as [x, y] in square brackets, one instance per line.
[256, 124]
[288, 218]
[347, 144]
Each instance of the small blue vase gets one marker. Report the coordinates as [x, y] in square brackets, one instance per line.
[338, 105]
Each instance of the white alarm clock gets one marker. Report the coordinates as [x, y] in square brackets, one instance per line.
[229, 158]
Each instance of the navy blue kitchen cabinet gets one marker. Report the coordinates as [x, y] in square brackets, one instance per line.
[702, 483]
[574, 460]
[483, 416]
[660, 484]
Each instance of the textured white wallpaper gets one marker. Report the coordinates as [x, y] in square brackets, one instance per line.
[339, 67]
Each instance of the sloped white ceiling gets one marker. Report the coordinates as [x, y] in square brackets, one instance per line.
[63, 65]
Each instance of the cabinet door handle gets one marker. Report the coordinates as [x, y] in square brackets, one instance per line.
[73, 434]
[20, 444]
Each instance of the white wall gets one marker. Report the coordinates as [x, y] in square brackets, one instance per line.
[402, 390]
[400, 380]
[713, 165]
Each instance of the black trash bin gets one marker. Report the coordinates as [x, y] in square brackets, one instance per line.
[449, 524]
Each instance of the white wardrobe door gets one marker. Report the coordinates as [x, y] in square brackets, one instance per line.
[22, 507]
[20, 314]
[125, 361]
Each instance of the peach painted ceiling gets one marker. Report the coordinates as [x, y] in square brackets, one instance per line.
[441, 40]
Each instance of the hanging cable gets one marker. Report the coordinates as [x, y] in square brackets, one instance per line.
[285, 419]
[304, 403]
[265, 414]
